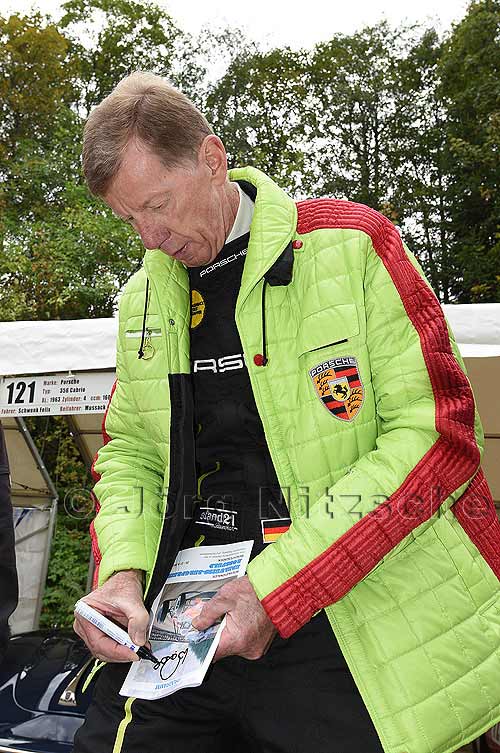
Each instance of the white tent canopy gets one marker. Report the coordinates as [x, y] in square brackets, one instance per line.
[476, 328]
[55, 346]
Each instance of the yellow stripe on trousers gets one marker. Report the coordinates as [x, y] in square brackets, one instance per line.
[123, 725]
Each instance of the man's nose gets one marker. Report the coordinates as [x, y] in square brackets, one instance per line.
[152, 236]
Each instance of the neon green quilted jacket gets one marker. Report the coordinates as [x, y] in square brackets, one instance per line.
[372, 428]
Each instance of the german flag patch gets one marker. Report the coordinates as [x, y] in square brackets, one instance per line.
[273, 528]
[338, 385]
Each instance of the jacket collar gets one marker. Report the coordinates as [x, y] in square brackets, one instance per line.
[273, 227]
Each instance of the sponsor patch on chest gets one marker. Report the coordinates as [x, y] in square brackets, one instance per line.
[197, 308]
[338, 385]
[216, 517]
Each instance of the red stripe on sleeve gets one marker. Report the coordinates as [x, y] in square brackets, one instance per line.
[448, 464]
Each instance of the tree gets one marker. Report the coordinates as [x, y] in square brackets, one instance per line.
[422, 161]
[37, 80]
[37, 87]
[260, 110]
[470, 69]
[124, 36]
[70, 265]
[68, 566]
[355, 98]
[62, 253]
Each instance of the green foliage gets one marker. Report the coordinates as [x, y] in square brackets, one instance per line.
[59, 453]
[396, 118]
[470, 69]
[63, 255]
[254, 109]
[422, 161]
[37, 70]
[67, 576]
[125, 36]
[69, 265]
[355, 97]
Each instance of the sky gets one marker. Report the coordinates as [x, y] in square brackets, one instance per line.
[280, 22]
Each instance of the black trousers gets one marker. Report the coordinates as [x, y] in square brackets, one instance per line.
[299, 698]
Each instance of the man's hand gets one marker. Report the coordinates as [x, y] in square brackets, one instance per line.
[120, 599]
[248, 631]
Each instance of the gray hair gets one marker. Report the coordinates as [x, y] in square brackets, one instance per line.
[143, 106]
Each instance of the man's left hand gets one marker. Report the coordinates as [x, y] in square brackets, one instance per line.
[248, 631]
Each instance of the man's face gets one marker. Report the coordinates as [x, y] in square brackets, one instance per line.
[182, 210]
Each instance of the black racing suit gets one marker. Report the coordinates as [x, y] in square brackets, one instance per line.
[237, 485]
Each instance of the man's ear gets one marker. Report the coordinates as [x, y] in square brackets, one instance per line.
[213, 156]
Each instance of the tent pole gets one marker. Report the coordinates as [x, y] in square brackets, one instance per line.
[77, 436]
[53, 511]
[45, 564]
[36, 456]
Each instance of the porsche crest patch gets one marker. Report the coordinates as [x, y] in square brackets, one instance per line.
[338, 385]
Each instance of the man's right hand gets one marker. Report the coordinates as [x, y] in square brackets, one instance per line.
[120, 598]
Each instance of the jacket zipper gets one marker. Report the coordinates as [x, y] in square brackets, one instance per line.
[156, 332]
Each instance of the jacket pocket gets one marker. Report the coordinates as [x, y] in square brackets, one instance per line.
[326, 327]
[133, 331]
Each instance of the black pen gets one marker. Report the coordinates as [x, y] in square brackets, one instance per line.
[146, 653]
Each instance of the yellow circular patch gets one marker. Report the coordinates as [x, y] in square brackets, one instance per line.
[197, 308]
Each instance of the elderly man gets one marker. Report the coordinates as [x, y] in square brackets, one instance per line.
[288, 365]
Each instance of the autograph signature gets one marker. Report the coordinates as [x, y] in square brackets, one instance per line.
[164, 666]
